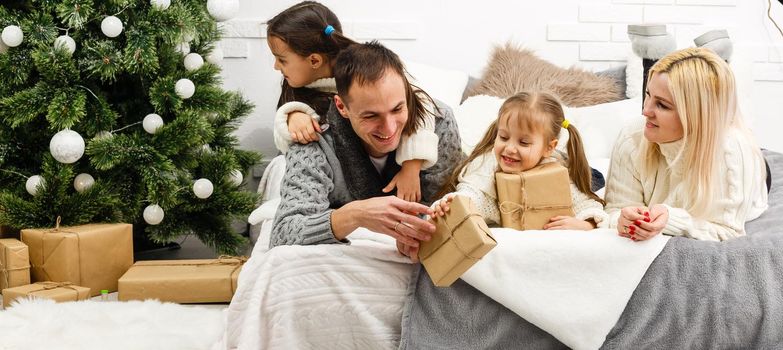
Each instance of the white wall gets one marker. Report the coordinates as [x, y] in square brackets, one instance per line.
[460, 35]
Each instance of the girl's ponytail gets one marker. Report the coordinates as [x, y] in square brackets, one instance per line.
[578, 167]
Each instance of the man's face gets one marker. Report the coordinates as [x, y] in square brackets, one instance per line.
[377, 111]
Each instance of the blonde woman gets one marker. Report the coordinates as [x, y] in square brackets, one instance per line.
[692, 168]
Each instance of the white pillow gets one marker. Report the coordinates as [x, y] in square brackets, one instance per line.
[599, 125]
[445, 85]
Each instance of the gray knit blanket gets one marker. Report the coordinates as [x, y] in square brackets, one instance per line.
[695, 295]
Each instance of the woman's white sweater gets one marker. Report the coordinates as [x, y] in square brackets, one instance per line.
[477, 181]
[742, 193]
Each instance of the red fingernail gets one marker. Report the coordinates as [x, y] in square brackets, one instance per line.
[647, 219]
[637, 222]
[633, 239]
[632, 228]
[646, 214]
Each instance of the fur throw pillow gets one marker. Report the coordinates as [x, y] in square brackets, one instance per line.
[512, 69]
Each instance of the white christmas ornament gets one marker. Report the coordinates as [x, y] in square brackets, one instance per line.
[12, 36]
[153, 214]
[65, 42]
[216, 56]
[183, 48]
[160, 4]
[152, 122]
[185, 88]
[188, 37]
[236, 177]
[203, 188]
[34, 183]
[67, 146]
[111, 26]
[222, 10]
[193, 61]
[83, 182]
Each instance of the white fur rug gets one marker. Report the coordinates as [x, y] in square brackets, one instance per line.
[44, 324]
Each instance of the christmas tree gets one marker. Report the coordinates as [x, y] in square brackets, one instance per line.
[109, 113]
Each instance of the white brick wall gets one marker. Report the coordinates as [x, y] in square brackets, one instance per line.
[610, 13]
[673, 14]
[708, 2]
[578, 32]
[642, 1]
[620, 33]
[603, 51]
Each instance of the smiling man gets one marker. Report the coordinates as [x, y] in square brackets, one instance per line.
[334, 186]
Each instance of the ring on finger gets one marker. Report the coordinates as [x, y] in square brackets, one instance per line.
[397, 226]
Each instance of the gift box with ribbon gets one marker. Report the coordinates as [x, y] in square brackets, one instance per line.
[528, 200]
[182, 281]
[57, 291]
[14, 263]
[94, 256]
[461, 238]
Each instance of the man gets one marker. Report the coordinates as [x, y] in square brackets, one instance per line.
[334, 186]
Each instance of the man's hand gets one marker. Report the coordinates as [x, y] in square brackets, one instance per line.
[303, 128]
[387, 215]
[568, 223]
[409, 251]
[407, 181]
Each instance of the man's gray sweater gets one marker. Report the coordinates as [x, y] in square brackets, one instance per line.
[325, 175]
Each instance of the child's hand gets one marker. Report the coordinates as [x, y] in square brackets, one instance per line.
[407, 181]
[303, 128]
[441, 207]
[568, 223]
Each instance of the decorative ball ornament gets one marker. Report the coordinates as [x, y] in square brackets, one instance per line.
[236, 177]
[67, 146]
[153, 214]
[12, 36]
[160, 4]
[222, 10]
[34, 183]
[65, 42]
[185, 88]
[203, 188]
[152, 122]
[216, 56]
[183, 48]
[193, 61]
[111, 26]
[83, 182]
[188, 36]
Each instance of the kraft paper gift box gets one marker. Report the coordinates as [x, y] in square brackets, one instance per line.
[529, 199]
[182, 281]
[14, 263]
[57, 291]
[461, 238]
[93, 256]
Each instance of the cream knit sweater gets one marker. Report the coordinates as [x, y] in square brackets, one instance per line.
[477, 181]
[742, 193]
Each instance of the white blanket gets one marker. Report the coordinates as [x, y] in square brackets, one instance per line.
[573, 285]
[321, 297]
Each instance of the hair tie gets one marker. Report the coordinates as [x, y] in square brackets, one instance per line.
[329, 30]
[565, 123]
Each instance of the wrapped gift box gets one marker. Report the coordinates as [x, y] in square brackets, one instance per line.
[461, 238]
[57, 291]
[94, 256]
[182, 281]
[529, 199]
[14, 263]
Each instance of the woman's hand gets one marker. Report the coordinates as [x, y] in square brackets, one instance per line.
[568, 223]
[641, 223]
[303, 128]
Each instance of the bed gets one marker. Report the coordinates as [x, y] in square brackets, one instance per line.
[682, 293]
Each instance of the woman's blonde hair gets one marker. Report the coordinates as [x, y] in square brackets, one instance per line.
[703, 88]
[535, 111]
